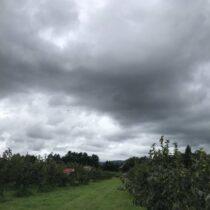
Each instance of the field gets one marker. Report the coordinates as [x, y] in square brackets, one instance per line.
[103, 195]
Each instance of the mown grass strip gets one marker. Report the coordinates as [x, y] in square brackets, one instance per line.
[103, 195]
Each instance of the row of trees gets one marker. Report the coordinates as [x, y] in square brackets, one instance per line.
[75, 157]
[24, 172]
[114, 166]
[171, 180]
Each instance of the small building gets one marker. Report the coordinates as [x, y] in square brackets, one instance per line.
[68, 171]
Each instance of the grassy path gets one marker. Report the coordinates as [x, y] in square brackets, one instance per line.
[102, 195]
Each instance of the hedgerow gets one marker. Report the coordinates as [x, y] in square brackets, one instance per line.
[171, 180]
[23, 173]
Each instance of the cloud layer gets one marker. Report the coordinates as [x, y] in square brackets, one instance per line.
[103, 76]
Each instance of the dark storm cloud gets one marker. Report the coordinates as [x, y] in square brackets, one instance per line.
[143, 64]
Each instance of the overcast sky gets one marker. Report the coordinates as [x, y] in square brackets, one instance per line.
[104, 76]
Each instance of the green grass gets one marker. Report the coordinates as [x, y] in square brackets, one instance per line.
[102, 195]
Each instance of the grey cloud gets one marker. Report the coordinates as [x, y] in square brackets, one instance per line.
[59, 16]
[36, 146]
[144, 65]
[39, 132]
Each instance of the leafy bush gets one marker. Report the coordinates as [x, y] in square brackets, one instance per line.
[2, 178]
[166, 182]
[22, 173]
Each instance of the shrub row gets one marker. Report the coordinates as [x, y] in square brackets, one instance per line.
[171, 180]
[22, 173]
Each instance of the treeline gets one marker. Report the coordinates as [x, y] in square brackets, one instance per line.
[114, 166]
[21, 173]
[75, 157]
[170, 180]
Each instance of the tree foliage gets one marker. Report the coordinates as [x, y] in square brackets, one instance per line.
[24, 172]
[112, 166]
[171, 180]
